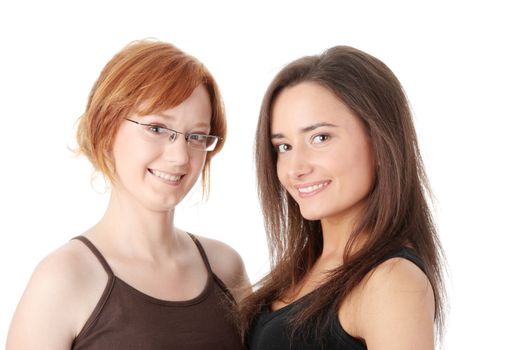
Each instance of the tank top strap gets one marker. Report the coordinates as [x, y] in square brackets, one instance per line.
[202, 252]
[97, 254]
[411, 255]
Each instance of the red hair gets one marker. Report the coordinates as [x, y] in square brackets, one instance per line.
[145, 77]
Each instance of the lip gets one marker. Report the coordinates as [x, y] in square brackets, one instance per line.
[322, 186]
[166, 180]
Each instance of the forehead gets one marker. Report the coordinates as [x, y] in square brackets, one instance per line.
[196, 109]
[307, 103]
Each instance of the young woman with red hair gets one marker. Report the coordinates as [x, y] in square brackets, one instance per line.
[153, 122]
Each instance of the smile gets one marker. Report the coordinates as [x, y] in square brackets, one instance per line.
[312, 189]
[165, 176]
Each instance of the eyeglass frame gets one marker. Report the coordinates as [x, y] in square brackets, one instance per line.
[187, 135]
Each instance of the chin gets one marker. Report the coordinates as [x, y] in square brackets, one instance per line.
[163, 205]
[159, 208]
[312, 215]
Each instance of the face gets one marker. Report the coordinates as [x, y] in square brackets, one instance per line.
[324, 157]
[152, 170]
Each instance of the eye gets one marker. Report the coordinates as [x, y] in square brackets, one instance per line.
[197, 138]
[282, 147]
[156, 129]
[320, 138]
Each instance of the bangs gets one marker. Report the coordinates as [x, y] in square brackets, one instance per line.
[154, 84]
[166, 93]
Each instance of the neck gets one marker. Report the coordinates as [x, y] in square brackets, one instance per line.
[136, 230]
[337, 231]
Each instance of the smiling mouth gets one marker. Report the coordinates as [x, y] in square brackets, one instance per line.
[165, 176]
[306, 190]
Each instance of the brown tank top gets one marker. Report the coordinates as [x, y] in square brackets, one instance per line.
[125, 318]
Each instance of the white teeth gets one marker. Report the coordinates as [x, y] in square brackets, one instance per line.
[312, 188]
[166, 176]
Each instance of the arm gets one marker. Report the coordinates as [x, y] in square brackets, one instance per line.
[40, 320]
[395, 308]
[57, 301]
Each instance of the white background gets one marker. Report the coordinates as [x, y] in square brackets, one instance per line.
[461, 63]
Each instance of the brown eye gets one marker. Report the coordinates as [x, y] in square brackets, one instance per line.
[282, 147]
[320, 138]
[156, 129]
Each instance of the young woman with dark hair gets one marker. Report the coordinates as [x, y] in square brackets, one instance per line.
[356, 261]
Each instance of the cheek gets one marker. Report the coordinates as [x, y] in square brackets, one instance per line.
[197, 162]
[128, 156]
[281, 171]
[364, 170]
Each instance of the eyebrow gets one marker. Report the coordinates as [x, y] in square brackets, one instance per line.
[168, 118]
[306, 129]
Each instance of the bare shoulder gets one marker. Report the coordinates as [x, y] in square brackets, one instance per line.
[67, 263]
[70, 268]
[395, 307]
[398, 274]
[228, 265]
[55, 302]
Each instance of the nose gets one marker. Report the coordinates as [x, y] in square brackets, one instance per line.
[177, 151]
[297, 164]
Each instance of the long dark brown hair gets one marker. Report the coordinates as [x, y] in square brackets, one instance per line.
[396, 214]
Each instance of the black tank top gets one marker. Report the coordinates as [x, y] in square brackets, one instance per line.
[126, 318]
[270, 329]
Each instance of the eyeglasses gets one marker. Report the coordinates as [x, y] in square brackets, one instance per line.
[159, 133]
